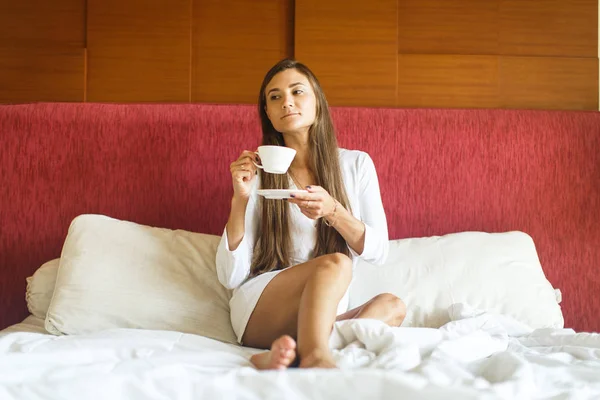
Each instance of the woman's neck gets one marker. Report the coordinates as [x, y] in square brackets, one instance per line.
[300, 144]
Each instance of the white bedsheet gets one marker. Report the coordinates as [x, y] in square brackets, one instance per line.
[476, 356]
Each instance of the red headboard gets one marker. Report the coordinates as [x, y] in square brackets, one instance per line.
[440, 171]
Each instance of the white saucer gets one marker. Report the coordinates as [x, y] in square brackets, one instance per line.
[279, 193]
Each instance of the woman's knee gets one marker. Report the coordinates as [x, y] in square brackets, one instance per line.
[337, 263]
[395, 305]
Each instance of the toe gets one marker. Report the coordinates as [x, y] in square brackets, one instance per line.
[288, 353]
[284, 343]
[282, 352]
[287, 342]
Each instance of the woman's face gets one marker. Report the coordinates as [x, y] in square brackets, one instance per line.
[290, 102]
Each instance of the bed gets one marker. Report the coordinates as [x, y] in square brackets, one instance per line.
[494, 247]
[478, 360]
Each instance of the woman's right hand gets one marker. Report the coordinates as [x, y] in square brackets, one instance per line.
[243, 172]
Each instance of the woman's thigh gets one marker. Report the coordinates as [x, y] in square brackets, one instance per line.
[276, 312]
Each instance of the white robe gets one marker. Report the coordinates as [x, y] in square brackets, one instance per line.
[362, 189]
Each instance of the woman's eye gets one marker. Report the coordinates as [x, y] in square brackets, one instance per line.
[298, 91]
[274, 97]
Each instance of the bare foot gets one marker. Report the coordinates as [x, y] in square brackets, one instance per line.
[318, 359]
[281, 355]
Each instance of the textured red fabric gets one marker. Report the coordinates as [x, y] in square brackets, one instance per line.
[440, 171]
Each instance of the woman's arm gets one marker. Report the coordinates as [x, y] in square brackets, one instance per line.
[351, 228]
[366, 238]
[236, 225]
[375, 239]
[234, 254]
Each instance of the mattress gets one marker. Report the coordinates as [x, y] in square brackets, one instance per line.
[476, 356]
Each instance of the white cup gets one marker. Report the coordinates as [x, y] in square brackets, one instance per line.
[275, 159]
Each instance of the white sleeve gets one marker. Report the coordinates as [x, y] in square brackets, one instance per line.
[372, 214]
[233, 267]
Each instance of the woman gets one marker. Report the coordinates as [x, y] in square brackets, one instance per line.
[290, 262]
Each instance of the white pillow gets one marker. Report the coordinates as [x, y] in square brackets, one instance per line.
[40, 287]
[119, 274]
[498, 272]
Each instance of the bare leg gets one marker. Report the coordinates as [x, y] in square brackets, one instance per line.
[385, 307]
[312, 291]
[317, 313]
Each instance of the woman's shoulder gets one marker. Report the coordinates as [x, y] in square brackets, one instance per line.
[352, 158]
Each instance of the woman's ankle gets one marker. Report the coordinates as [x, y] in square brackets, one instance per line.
[317, 358]
[318, 352]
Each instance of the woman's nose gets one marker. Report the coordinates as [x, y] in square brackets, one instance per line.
[287, 103]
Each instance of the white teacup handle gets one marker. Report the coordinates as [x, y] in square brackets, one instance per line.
[259, 166]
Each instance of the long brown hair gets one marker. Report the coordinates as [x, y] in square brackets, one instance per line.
[273, 247]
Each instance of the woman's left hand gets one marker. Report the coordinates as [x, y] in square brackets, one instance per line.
[317, 203]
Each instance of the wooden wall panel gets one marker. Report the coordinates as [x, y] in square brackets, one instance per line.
[448, 27]
[407, 53]
[549, 28]
[352, 47]
[549, 83]
[452, 81]
[563, 36]
[234, 47]
[42, 23]
[41, 74]
[138, 51]
[42, 54]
